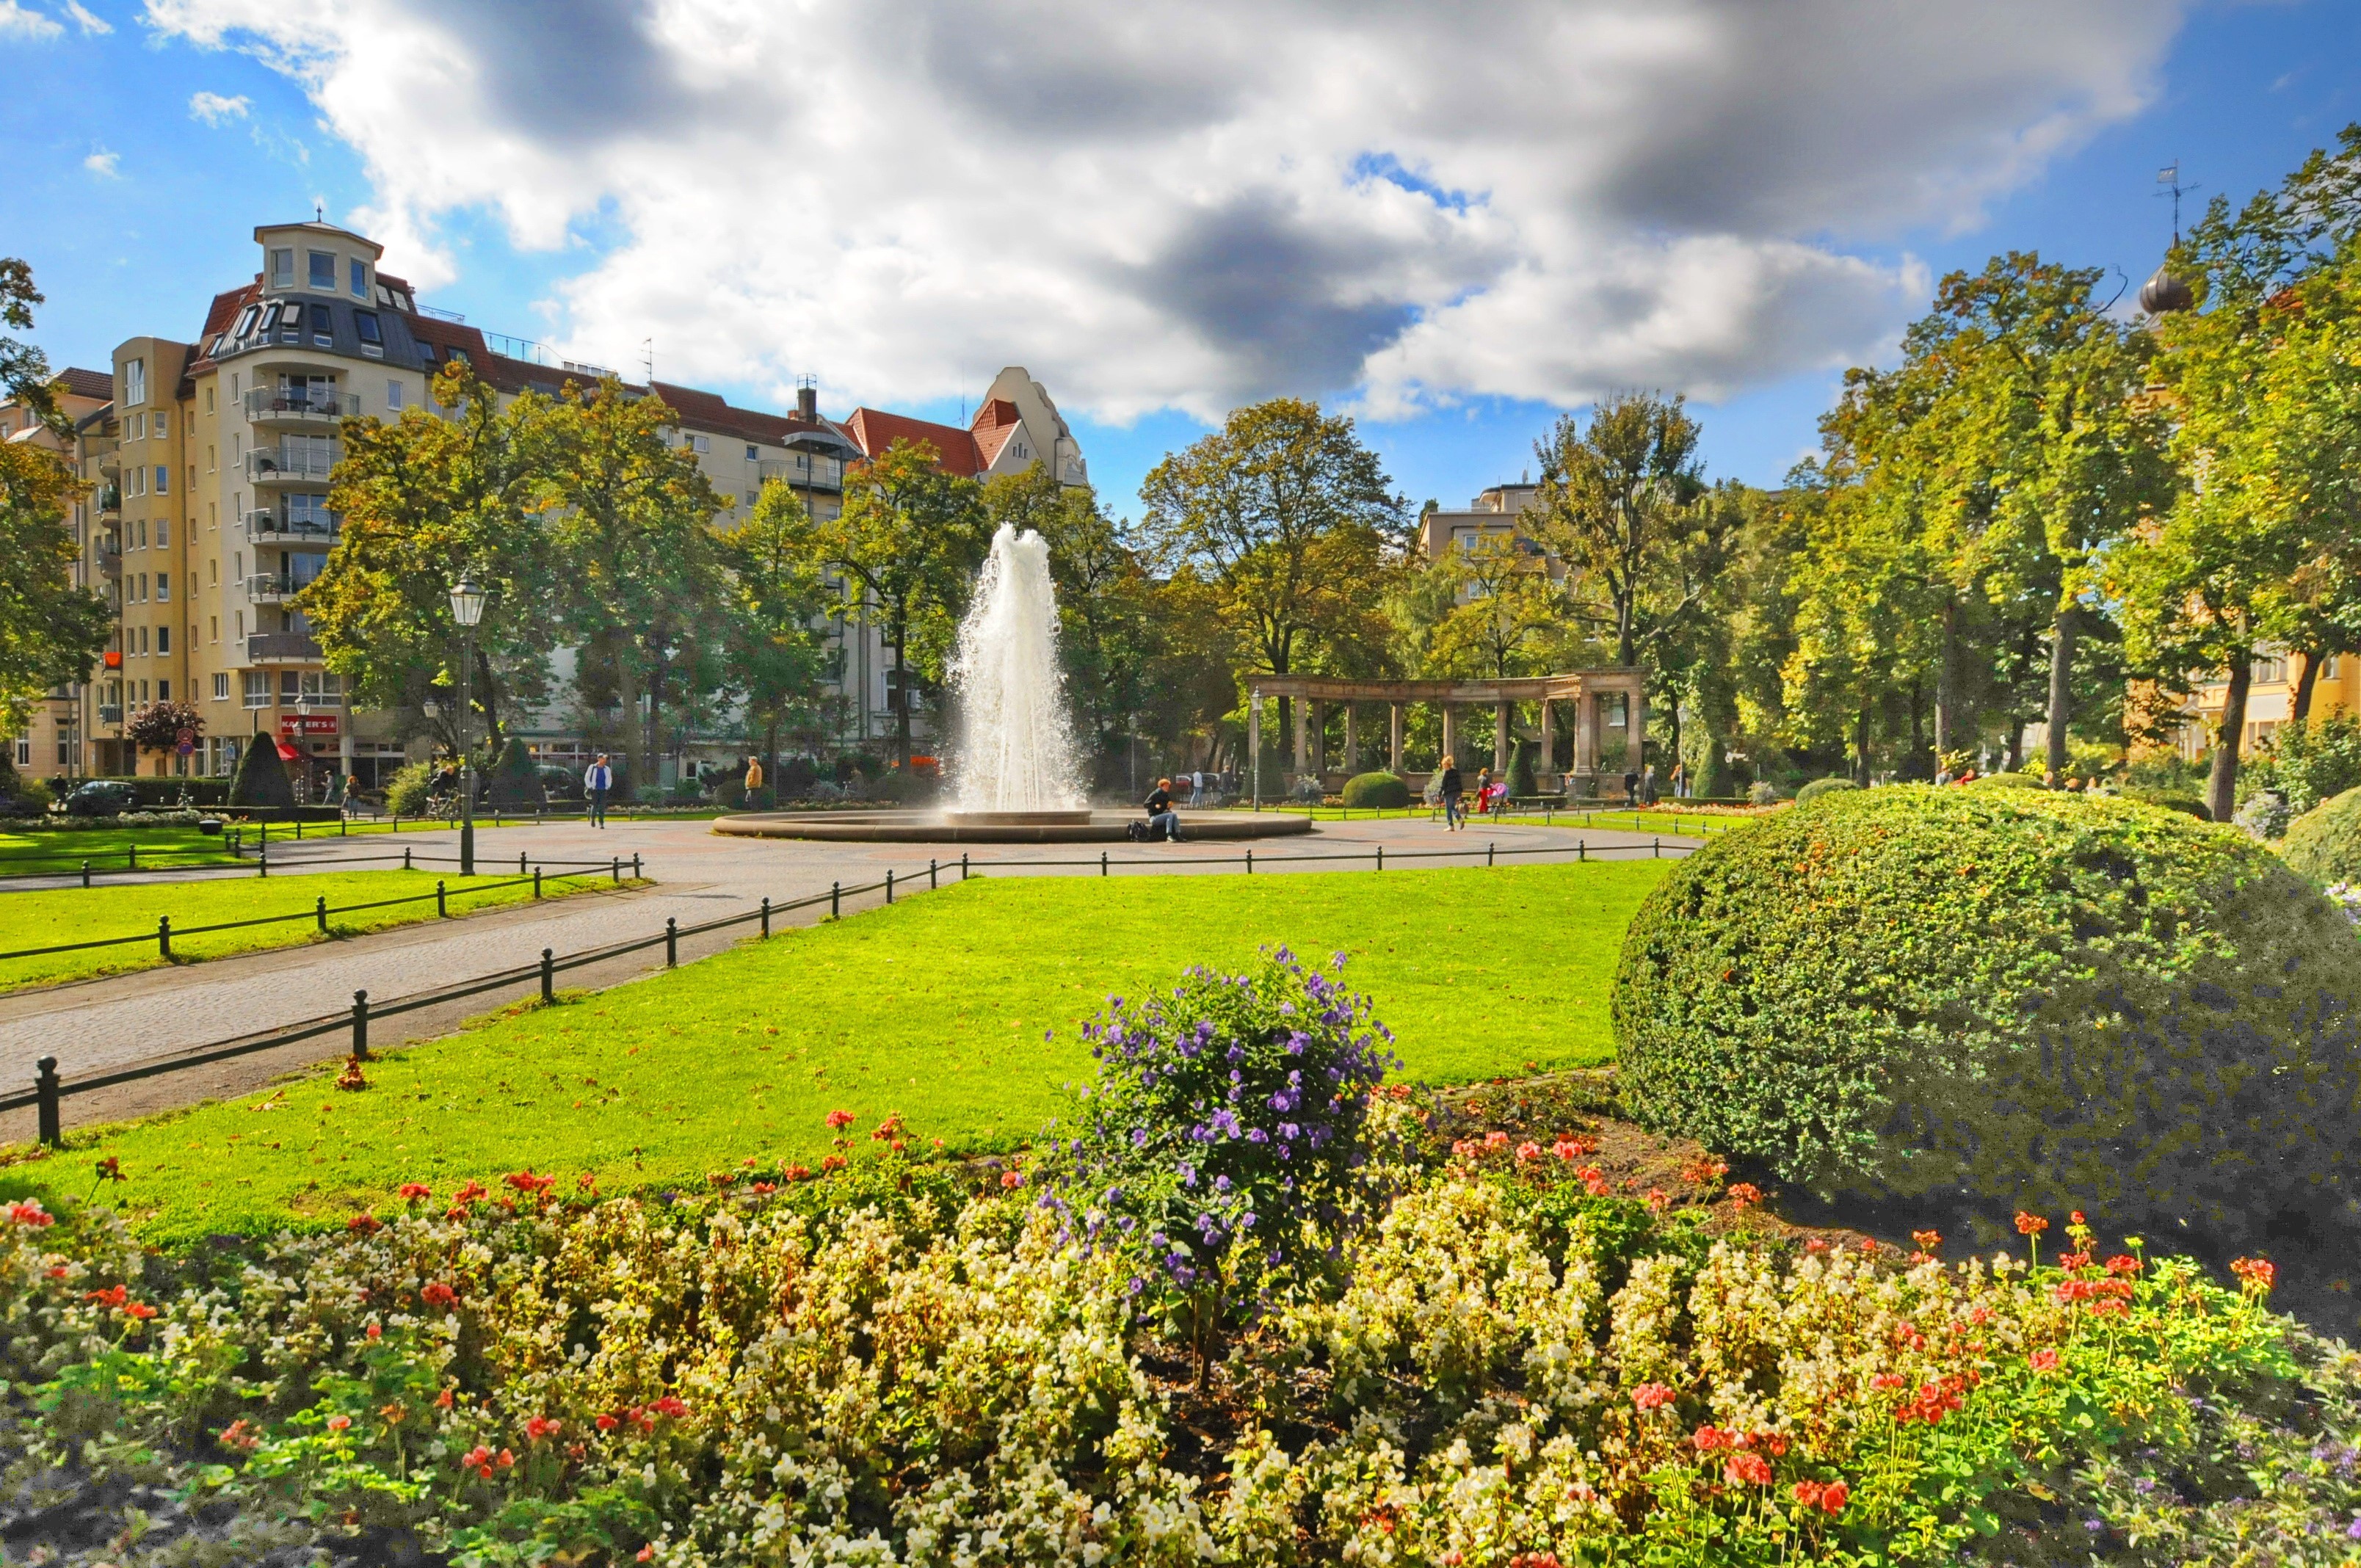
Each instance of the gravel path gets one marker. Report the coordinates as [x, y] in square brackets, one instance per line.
[94, 1026]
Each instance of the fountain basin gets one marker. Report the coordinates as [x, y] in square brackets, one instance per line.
[1002, 827]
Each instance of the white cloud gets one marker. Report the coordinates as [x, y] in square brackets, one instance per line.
[91, 27]
[16, 22]
[1186, 202]
[103, 163]
[214, 109]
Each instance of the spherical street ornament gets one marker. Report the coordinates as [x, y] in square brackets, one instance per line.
[2163, 293]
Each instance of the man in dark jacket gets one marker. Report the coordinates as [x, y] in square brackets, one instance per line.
[1163, 822]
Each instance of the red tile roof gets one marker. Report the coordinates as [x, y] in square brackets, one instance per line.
[76, 382]
[873, 430]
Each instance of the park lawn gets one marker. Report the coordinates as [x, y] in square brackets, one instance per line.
[81, 914]
[936, 1008]
[64, 849]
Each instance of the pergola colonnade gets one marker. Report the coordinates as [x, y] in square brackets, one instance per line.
[1313, 694]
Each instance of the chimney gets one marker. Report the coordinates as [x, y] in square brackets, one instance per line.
[807, 404]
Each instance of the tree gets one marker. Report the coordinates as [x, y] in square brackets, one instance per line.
[642, 571]
[906, 544]
[425, 501]
[1614, 505]
[51, 632]
[1291, 522]
[261, 778]
[159, 727]
[777, 602]
[1504, 608]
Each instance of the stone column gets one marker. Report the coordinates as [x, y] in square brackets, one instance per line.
[1352, 741]
[1450, 730]
[1319, 737]
[1302, 735]
[1586, 741]
[1546, 776]
[1394, 737]
[1635, 732]
[1254, 742]
[1501, 752]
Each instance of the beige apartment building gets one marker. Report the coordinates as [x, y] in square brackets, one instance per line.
[53, 740]
[2270, 700]
[209, 466]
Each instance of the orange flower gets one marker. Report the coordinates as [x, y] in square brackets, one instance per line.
[1652, 1395]
[2256, 1275]
[839, 1120]
[339, 1423]
[1928, 1241]
[413, 1190]
[1745, 1194]
[2030, 1224]
[1748, 1469]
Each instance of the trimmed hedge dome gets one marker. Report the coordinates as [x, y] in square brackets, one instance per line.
[1819, 787]
[2324, 843]
[1378, 789]
[2013, 997]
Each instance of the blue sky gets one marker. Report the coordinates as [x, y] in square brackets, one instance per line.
[133, 210]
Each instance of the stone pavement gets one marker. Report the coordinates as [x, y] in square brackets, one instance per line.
[94, 1026]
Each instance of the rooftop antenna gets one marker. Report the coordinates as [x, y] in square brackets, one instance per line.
[319, 213]
[2170, 178]
[648, 358]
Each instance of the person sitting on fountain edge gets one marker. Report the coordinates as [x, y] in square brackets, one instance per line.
[1163, 822]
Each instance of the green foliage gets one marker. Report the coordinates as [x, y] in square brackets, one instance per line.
[1819, 787]
[2037, 1000]
[2004, 781]
[406, 792]
[2307, 762]
[2324, 843]
[2185, 801]
[1379, 789]
[261, 778]
[514, 782]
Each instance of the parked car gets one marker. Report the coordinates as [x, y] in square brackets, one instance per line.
[560, 784]
[102, 797]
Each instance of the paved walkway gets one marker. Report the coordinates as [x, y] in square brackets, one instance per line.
[94, 1026]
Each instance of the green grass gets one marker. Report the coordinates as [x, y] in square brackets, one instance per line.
[935, 1008]
[79, 915]
[64, 849]
[1660, 820]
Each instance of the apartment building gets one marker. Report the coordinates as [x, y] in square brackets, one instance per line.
[53, 740]
[209, 466]
[2270, 699]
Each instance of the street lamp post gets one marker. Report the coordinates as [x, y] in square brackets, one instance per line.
[467, 609]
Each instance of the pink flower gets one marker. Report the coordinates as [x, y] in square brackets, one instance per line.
[2043, 1361]
[1529, 1151]
[338, 1424]
[1652, 1395]
[1748, 1469]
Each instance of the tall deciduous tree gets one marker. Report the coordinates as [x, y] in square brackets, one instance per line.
[1290, 522]
[51, 632]
[1616, 504]
[776, 656]
[425, 501]
[1505, 612]
[641, 571]
[906, 544]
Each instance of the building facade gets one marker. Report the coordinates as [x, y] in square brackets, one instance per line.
[208, 466]
[2270, 700]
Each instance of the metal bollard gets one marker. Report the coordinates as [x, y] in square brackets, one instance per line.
[319, 912]
[835, 890]
[405, 856]
[164, 937]
[519, 862]
[1249, 862]
[962, 865]
[672, 941]
[766, 915]
[1581, 851]
[1103, 862]
[536, 882]
[1488, 849]
[1657, 854]
[360, 1025]
[299, 830]
[889, 884]
[131, 857]
[442, 903]
[548, 975]
[262, 856]
[1381, 857]
[635, 868]
[85, 874]
[931, 883]
[45, 1086]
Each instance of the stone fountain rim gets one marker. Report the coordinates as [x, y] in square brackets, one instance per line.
[931, 827]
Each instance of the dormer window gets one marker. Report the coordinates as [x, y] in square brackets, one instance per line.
[282, 268]
[372, 335]
[246, 319]
[324, 270]
[324, 327]
[361, 280]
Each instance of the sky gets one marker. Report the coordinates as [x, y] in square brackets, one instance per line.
[1456, 222]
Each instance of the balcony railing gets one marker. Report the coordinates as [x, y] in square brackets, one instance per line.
[817, 473]
[268, 587]
[110, 565]
[285, 465]
[106, 500]
[268, 526]
[270, 405]
[110, 713]
[281, 647]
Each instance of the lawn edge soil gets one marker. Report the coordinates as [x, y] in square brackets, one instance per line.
[552, 890]
[446, 1109]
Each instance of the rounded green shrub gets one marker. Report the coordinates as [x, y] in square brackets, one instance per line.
[2004, 997]
[2183, 801]
[2324, 843]
[406, 792]
[2004, 781]
[1380, 789]
[1819, 787]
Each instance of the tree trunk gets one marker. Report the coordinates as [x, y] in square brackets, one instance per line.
[489, 701]
[1946, 682]
[2014, 758]
[1861, 746]
[2301, 710]
[901, 699]
[653, 742]
[626, 699]
[2061, 671]
[2221, 783]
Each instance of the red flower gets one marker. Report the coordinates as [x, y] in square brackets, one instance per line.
[2030, 1224]
[539, 1427]
[2123, 1266]
[1748, 1470]
[1745, 1194]
[765, 1187]
[374, 1331]
[413, 1190]
[1012, 1179]
[338, 1424]
[797, 1172]
[138, 1309]
[831, 1162]
[2043, 1361]
[114, 1298]
[1529, 1151]
[1652, 1395]
[839, 1120]
[438, 1294]
[608, 1423]
[2256, 1275]
[1658, 1199]
[363, 1224]
[30, 1212]
[470, 1192]
[1809, 1493]
[1833, 1497]
[1710, 1437]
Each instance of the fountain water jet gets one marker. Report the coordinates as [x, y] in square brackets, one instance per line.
[1015, 754]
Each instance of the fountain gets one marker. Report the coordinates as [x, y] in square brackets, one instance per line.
[1015, 772]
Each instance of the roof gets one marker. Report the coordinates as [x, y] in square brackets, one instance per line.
[77, 382]
[994, 423]
[873, 430]
[311, 227]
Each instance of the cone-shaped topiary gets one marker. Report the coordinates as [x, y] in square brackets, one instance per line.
[2324, 843]
[1819, 787]
[515, 781]
[1521, 759]
[2010, 997]
[1386, 791]
[261, 778]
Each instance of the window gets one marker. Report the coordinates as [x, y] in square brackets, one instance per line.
[163, 691]
[221, 686]
[163, 479]
[163, 633]
[25, 753]
[324, 327]
[213, 628]
[163, 587]
[163, 531]
[291, 688]
[282, 268]
[751, 452]
[192, 476]
[135, 428]
[360, 279]
[209, 401]
[135, 381]
[324, 270]
[372, 334]
[324, 689]
[212, 461]
[240, 617]
[393, 397]
[213, 571]
[256, 687]
[138, 481]
[701, 442]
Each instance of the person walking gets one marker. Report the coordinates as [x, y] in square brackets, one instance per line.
[596, 780]
[1163, 822]
[352, 795]
[1450, 791]
[754, 779]
[1632, 786]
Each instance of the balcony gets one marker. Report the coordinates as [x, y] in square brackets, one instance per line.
[803, 471]
[110, 564]
[111, 463]
[281, 647]
[300, 409]
[110, 713]
[268, 587]
[268, 526]
[289, 465]
[106, 501]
